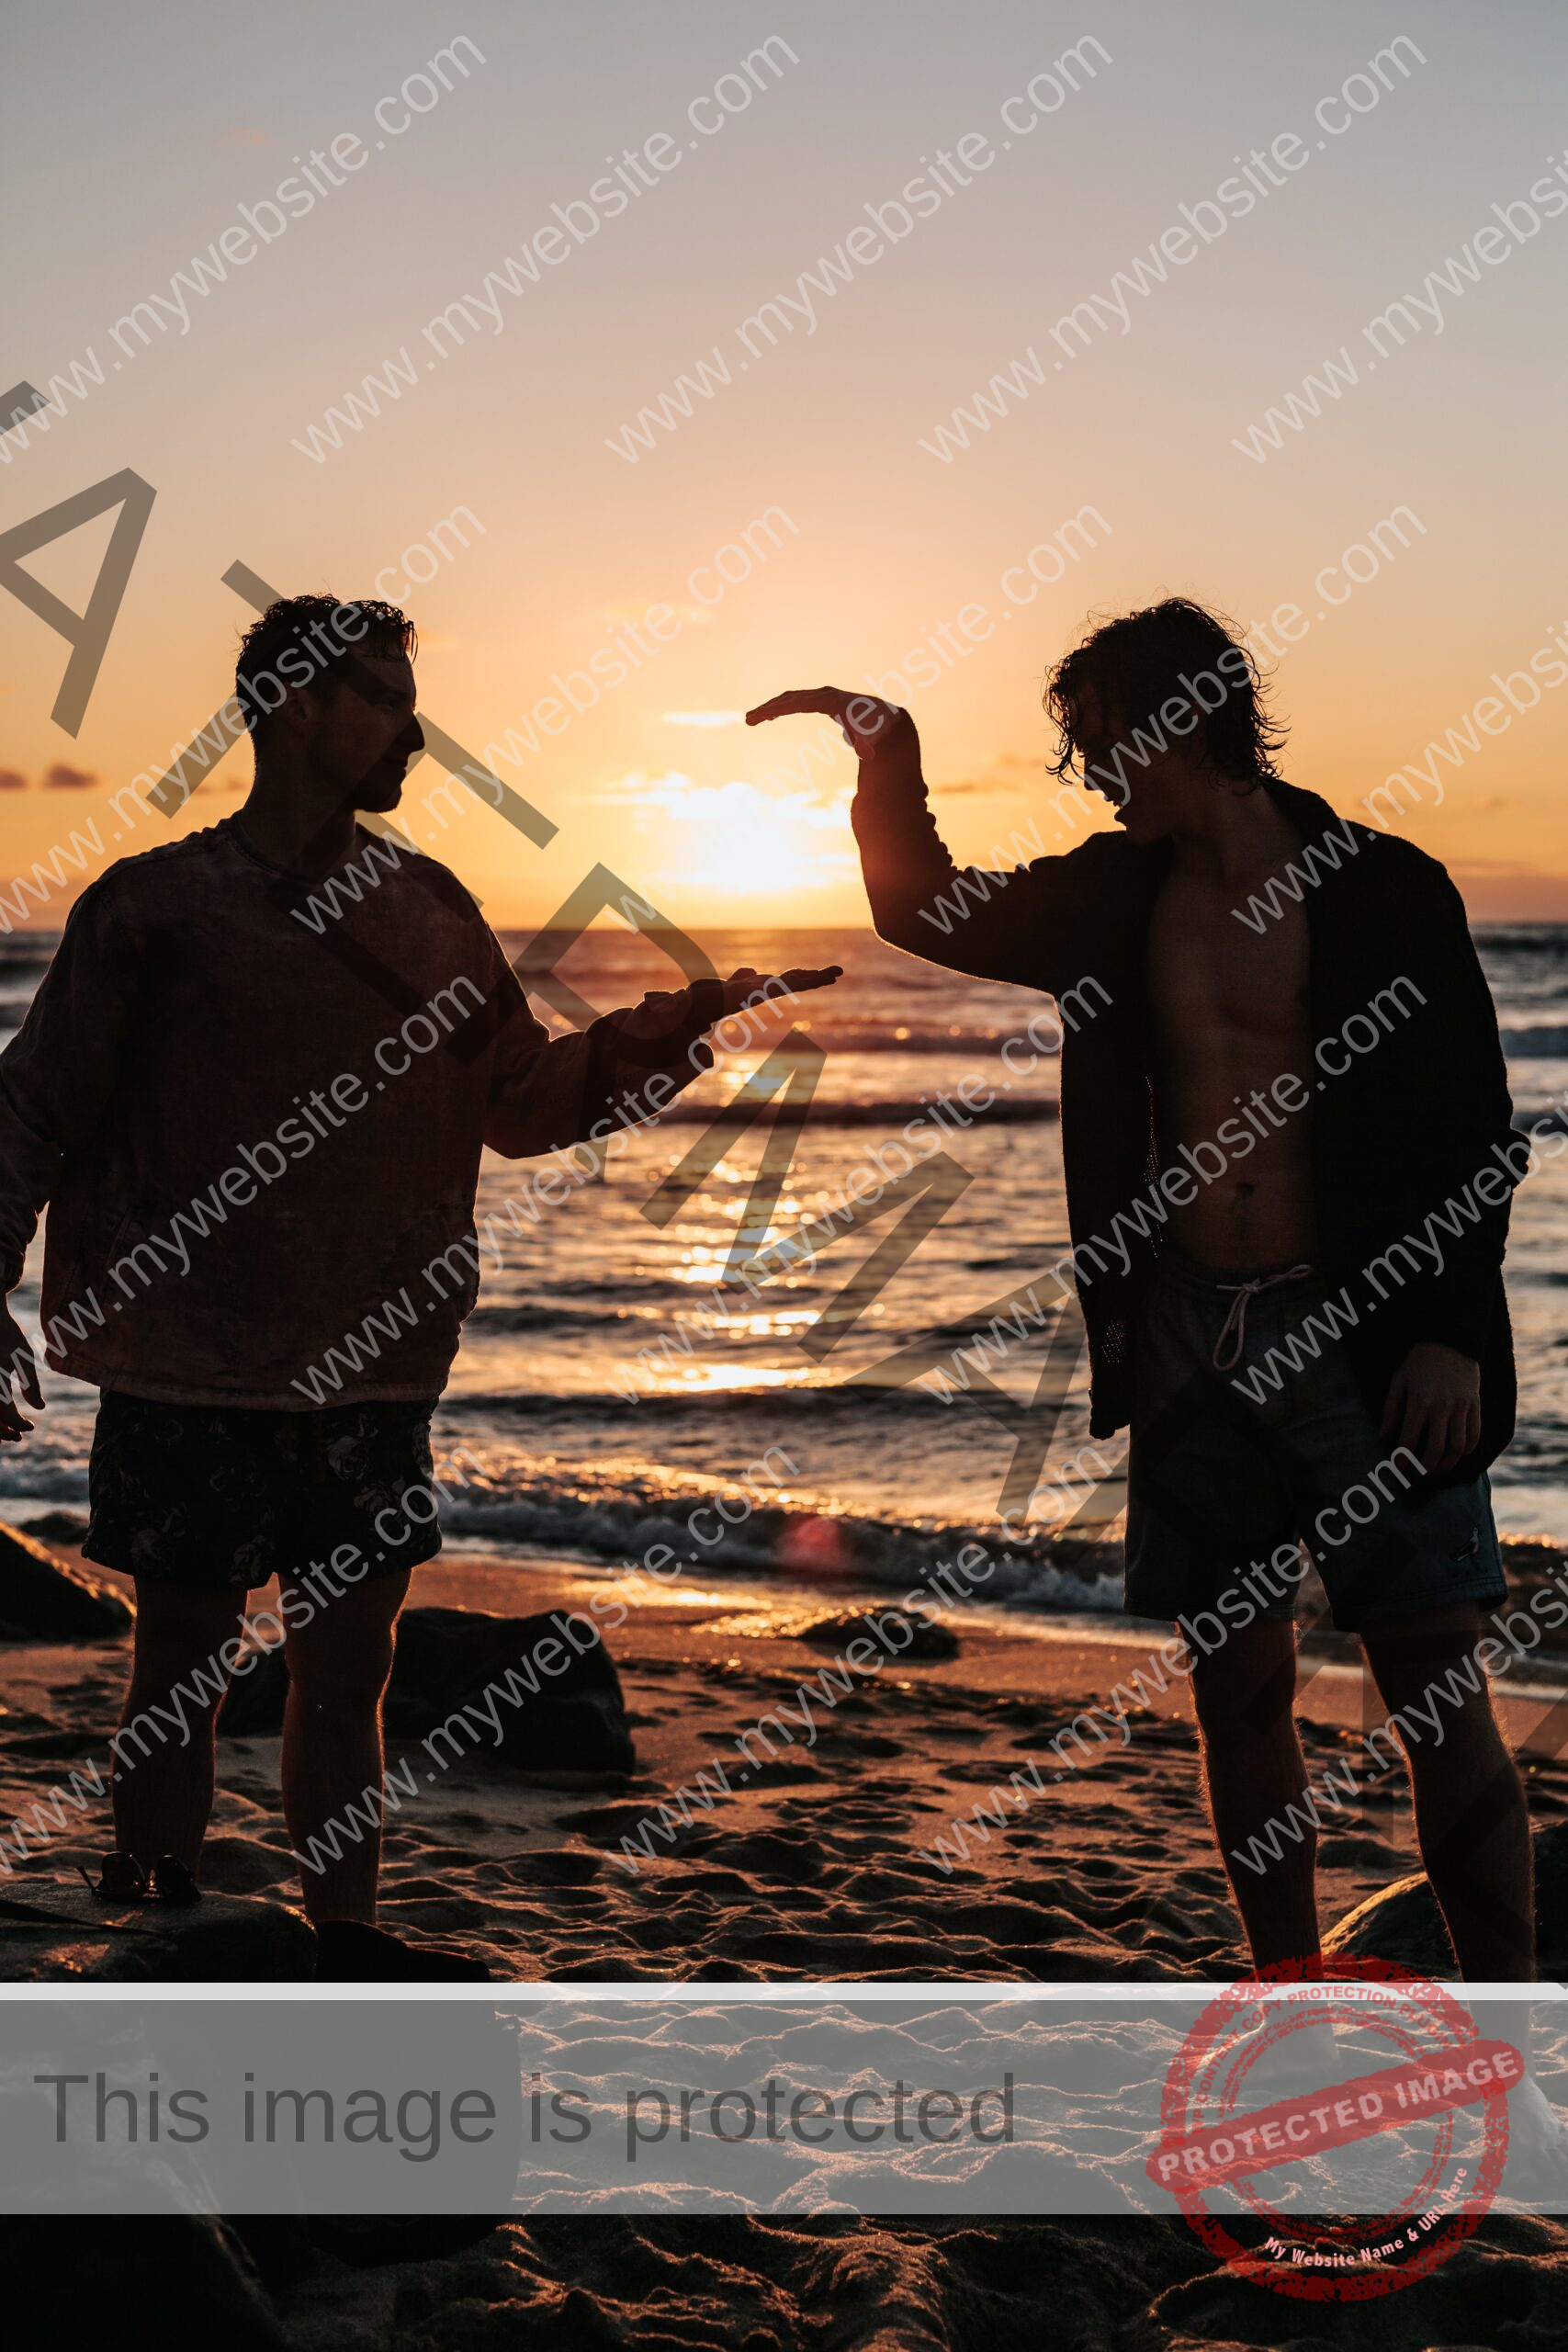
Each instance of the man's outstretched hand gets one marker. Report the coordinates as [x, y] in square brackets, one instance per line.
[743, 992]
[747, 988]
[19, 1370]
[869, 726]
[1434, 1404]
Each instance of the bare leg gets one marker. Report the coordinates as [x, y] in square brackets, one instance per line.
[1470, 1819]
[338, 1668]
[1473, 1826]
[164, 1763]
[1253, 1771]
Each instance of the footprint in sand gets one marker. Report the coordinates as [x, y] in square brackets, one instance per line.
[555, 1866]
[776, 1854]
[235, 1865]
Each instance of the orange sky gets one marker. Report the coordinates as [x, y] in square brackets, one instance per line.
[854, 535]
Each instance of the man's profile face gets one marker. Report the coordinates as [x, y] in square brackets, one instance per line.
[363, 733]
[1145, 800]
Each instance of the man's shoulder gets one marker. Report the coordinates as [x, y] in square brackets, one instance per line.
[401, 860]
[150, 875]
[1405, 861]
[1107, 876]
[1108, 856]
[156, 881]
[1389, 868]
[192, 850]
[1380, 860]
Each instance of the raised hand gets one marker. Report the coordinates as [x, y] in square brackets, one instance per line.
[869, 726]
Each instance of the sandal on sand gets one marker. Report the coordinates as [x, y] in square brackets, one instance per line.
[350, 1952]
[121, 1879]
[171, 1882]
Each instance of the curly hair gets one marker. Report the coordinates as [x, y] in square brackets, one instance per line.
[1136, 663]
[299, 638]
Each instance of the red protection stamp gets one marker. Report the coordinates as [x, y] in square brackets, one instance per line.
[1253, 2169]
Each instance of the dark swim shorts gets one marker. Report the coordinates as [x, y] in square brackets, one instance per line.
[223, 1498]
[1240, 1468]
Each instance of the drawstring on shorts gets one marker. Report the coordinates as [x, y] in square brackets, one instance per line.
[1234, 1328]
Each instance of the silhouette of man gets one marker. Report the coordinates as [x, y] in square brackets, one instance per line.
[254, 1087]
[1287, 1077]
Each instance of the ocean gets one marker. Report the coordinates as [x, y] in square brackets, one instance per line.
[601, 1389]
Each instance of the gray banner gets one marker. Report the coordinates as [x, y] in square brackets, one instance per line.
[695, 2100]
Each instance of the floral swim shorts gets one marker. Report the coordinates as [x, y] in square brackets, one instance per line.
[224, 1497]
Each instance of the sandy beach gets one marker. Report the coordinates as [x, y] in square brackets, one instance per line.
[818, 1865]
[819, 1861]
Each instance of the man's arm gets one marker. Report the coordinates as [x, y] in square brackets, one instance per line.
[56, 1077]
[27, 1169]
[1033, 925]
[623, 1069]
[1465, 1132]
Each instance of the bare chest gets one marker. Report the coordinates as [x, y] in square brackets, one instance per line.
[1218, 986]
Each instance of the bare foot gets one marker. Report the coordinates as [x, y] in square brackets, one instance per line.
[1537, 2170]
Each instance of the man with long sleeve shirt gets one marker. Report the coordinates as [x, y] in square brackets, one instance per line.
[254, 1088]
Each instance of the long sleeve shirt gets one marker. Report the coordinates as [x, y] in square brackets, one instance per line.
[256, 1107]
[1414, 1152]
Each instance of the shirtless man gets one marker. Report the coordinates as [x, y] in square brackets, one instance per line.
[1266, 1093]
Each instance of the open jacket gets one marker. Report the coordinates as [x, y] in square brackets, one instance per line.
[256, 1108]
[1414, 1152]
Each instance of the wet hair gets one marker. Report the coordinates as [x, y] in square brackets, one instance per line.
[280, 651]
[1177, 651]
